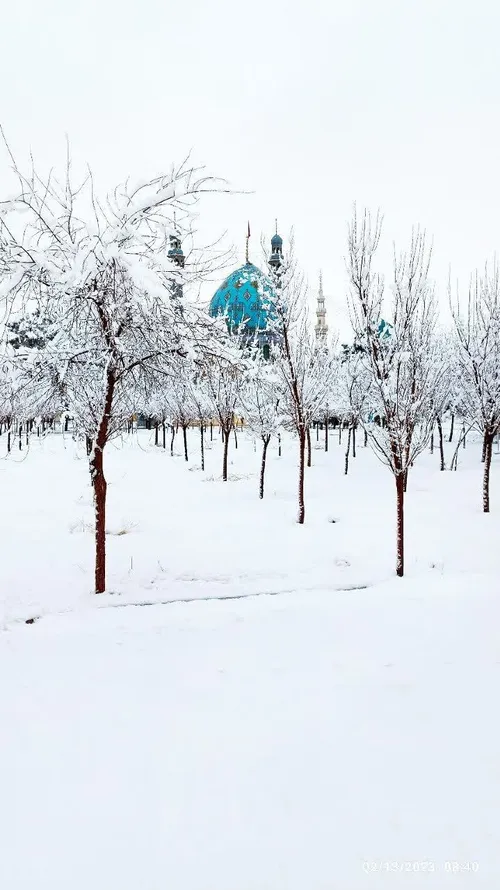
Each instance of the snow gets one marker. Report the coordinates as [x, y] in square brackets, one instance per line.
[326, 737]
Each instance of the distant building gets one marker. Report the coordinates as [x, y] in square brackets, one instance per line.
[247, 299]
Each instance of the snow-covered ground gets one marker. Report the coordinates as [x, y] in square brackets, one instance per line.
[341, 734]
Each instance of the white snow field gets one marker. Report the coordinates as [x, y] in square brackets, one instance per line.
[341, 734]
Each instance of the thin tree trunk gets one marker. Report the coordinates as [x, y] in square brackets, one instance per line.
[235, 438]
[340, 431]
[100, 489]
[9, 442]
[164, 434]
[172, 441]
[202, 445]
[326, 431]
[366, 438]
[488, 438]
[279, 444]
[184, 437]
[157, 433]
[211, 431]
[485, 447]
[99, 484]
[308, 438]
[400, 506]
[346, 462]
[302, 453]
[441, 444]
[317, 431]
[432, 443]
[20, 437]
[354, 440]
[452, 428]
[454, 460]
[88, 445]
[225, 442]
[464, 439]
[265, 443]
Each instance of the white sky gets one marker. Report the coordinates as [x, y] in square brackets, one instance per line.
[392, 103]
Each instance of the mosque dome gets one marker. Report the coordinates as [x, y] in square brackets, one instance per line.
[276, 242]
[246, 299]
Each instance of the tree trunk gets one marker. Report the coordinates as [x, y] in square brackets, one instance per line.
[157, 433]
[184, 437]
[485, 447]
[211, 431]
[366, 438]
[164, 434]
[452, 428]
[235, 439]
[202, 445]
[326, 432]
[441, 443]
[99, 485]
[279, 444]
[302, 454]
[454, 460]
[340, 430]
[432, 443]
[88, 445]
[488, 439]
[317, 431]
[354, 440]
[20, 437]
[172, 441]
[464, 439]
[225, 442]
[308, 439]
[346, 462]
[9, 442]
[400, 540]
[265, 443]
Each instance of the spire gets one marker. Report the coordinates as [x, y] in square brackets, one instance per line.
[321, 328]
[246, 246]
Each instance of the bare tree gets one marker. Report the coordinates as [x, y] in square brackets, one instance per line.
[101, 271]
[478, 358]
[403, 368]
[296, 360]
[224, 383]
[261, 409]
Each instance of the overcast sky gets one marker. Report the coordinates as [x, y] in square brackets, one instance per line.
[311, 105]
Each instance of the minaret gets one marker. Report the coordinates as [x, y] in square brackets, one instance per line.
[176, 255]
[321, 328]
[276, 258]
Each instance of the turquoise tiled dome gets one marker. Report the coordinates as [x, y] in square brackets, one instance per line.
[246, 299]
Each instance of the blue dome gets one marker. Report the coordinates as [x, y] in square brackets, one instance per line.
[276, 241]
[246, 299]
